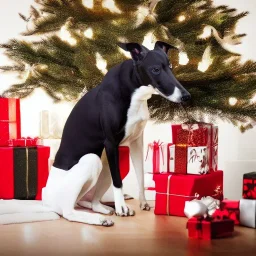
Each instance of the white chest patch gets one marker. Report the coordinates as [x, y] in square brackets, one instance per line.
[137, 114]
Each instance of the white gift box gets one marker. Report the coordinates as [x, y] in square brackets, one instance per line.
[198, 160]
[156, 158]
[248, 213]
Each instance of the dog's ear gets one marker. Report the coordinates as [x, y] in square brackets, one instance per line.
[134, 48]
[164, 46]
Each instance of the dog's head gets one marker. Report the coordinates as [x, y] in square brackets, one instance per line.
[154, 69]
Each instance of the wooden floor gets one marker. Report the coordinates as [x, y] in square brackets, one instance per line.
[144, 234]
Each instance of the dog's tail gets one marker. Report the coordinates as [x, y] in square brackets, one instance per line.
[21, 211]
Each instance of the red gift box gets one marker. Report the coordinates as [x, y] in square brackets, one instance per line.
[24, 142]
[229, 209]
[208, 229]
[194, 135]
[23, 172]
[9, 120]
[124, 161]
[249, 185]
[172, 191]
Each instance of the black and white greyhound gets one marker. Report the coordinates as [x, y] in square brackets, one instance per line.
[112, 114]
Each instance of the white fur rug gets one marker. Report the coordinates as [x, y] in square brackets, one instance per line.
[21, 211]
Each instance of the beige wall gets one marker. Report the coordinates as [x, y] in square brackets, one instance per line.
[237, 152]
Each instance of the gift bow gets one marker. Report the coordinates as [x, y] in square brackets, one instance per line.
[190, 127]
[158, 145]
[201, 208]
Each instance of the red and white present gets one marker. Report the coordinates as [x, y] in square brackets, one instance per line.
[198, 160]
[195, 135]
[173, 190]
[9, 120]
[156, 158]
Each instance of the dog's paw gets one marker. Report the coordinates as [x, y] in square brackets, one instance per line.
[101, 208]
[106, 223]
[124, 211]
[145, 206]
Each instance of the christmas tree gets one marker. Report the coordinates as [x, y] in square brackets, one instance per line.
[76, 45]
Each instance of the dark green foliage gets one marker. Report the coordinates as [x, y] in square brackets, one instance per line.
[64, 71]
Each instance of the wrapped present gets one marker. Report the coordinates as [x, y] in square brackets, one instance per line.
[195, 135]
[9, 120]
[249, 185]
[24, 142]
[197, 160]
[23, 172]
[229, 209]
[247, 209]
[210, 228]
[172, 191]
[124, 161]
[156, 158]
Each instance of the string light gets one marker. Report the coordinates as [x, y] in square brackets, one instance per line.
[207, 32]
[88, 3]
[183, 58]
[142, 13]
[149, 40]
[88, 33]
[101, 63]
[65, 36]
[253, 99]
[181, 18]
[110, 5]
[206, 60]
[232, 101]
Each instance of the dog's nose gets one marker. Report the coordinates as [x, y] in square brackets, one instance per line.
[186, 97]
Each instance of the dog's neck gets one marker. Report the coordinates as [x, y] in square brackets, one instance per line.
[129, 86]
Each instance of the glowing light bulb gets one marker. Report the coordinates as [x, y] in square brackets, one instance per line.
[206, 60]
[149, 40]
[232, 101]
[181, 18]
[142, 13]
[88, 33]
[101, 63]
[110, 5]
[65, 36]
[206, 33]
[183, 58]
[88, 3]
[253, 99]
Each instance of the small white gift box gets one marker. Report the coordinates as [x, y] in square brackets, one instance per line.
[247, 209]
[198, 160]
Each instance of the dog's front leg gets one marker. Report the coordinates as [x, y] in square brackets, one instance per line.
[136, 148]
[113, 160]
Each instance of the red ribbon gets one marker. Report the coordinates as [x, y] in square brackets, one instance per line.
[156, 158]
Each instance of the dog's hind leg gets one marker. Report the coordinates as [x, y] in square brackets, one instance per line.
[103, 184]
[72, 187]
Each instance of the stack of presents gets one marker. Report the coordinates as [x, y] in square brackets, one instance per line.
[185, 178]
[25, 162]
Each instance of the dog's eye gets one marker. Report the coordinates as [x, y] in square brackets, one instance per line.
[156, 71]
